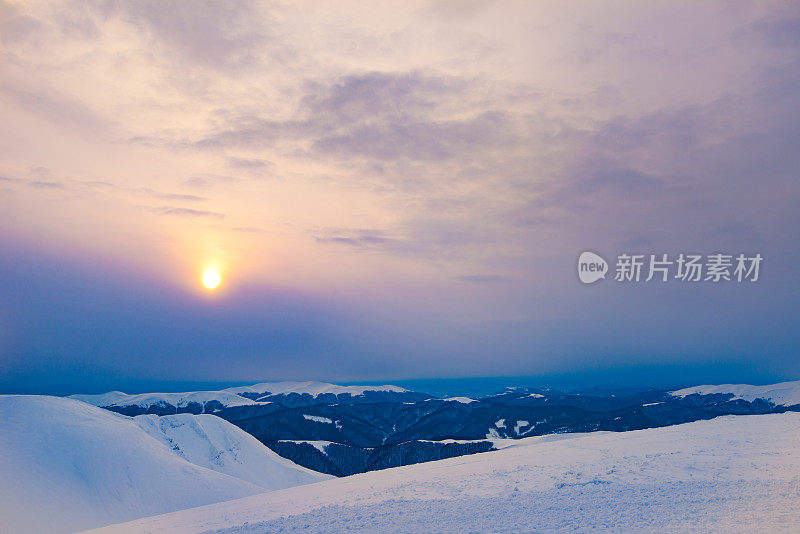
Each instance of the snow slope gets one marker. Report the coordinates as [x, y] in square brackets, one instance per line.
[783, 394]
[66, 465]
[729, 474]
[211, 442]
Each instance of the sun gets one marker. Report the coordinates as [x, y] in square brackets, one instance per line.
[211, 279]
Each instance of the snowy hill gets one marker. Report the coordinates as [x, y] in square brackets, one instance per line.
[66, 465]
[783, 394]
[729, 474]
[211, 442]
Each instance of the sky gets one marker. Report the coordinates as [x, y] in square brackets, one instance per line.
[393, 190]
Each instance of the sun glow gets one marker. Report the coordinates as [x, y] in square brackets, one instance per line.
[211, 279]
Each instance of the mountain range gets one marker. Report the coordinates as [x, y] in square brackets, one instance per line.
[67, 465]
[343, 430]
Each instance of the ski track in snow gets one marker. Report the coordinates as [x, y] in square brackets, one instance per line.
[730, 474]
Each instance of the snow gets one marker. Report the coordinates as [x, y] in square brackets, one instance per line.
[87, 467]
[500, 423]
[783, 394]
[310, 388]
[317, 444]
[211, 442]
[450, 441]
[504, 443]
[534, 396]
[66, 465]
[180, 400]
[103, 399]
[519, 426]
[462, 400]
[652, 404]
[729, 474]
[318, 419]
[227, 397]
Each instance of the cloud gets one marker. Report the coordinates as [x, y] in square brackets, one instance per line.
[173, 196]
[358, 239]
[253, 166]
[358, 242]
[483, 278]
[45, 185]
[207, 180]
[187, 212]
[53, 106]
[250, 164]
[227, 36]
[416, 138]
[249, 230]
[779, 28]
[383, 116]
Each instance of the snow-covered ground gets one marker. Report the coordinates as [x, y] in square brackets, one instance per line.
[730, 474]
[783, 394]
[66, 465]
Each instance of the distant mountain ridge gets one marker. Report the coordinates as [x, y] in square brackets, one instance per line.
[342, 430]
[314, 389]
[195, 402]
[198, 402]
[783, 394]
